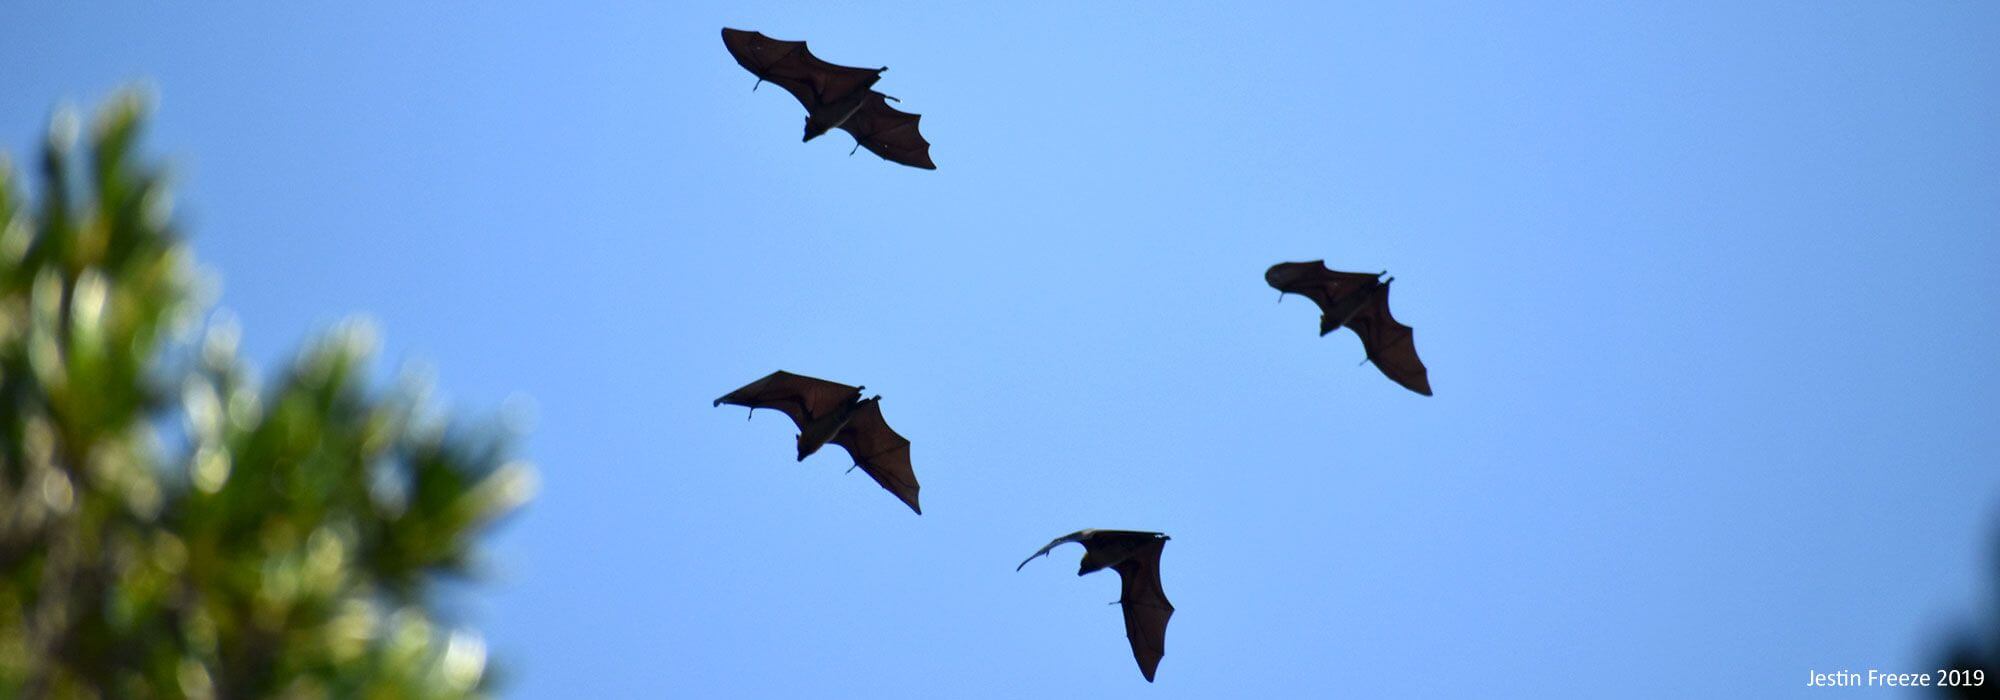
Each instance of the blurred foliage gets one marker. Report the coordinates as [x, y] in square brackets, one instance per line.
[1978, 647]
[170, 529]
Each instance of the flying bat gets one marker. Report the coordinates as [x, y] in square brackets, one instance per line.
[1359, 301]
[834, 96]
[827, 412]
[1136, 557]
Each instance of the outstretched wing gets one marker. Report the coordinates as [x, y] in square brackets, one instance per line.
[1146, 606]
[889, 132]
[789, 65]
[801, 397]
[1327, 288]
[1390, 345]
[878, 450]
[1057, 542]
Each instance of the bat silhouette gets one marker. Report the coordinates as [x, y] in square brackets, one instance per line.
[830, 412]
[1136, 557]
[1359, 301]
[834, 96]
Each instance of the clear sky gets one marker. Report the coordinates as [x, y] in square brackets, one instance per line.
[1706, 290]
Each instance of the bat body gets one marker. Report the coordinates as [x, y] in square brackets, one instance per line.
[835, 97]
[1136, 557]
[829, 412]
[1359, 301]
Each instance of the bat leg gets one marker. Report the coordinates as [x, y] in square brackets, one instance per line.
[750, 415]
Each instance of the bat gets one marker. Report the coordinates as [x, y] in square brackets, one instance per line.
[834, 96]
[828, 412]
[1136, 557]
[1359, 301]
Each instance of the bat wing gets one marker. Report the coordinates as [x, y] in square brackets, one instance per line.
[1313, 280]
[878, 450]
[801, 397]
[1146, 606]
[789, 65]
[889, 133]
[1077, 536]
[1392, 346]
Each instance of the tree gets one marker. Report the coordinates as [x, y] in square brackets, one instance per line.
[170, 529]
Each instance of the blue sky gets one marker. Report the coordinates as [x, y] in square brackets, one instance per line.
[1706, 291]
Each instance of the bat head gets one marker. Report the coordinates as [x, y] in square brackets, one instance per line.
[1286, 274]
[1278, 276]
[807, 448]
[815, 129]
